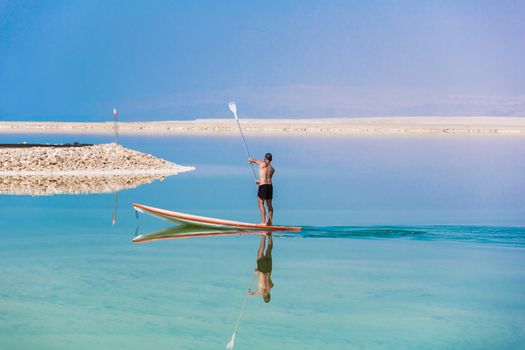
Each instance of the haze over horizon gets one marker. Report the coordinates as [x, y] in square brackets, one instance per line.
[162, 60]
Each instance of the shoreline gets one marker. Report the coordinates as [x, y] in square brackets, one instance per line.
[306, 127]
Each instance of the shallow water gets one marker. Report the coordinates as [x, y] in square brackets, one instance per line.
[408, 243]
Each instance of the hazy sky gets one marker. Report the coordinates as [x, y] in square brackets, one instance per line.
[76, 60]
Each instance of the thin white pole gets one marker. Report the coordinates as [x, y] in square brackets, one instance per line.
[115, 125]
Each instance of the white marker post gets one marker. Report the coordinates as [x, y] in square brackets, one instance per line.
[115, 125]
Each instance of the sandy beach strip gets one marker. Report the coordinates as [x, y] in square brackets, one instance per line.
[317, 127]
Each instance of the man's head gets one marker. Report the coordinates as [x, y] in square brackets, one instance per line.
[266, 297]
[268, 157]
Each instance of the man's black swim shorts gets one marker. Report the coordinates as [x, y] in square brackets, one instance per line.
[265, 191]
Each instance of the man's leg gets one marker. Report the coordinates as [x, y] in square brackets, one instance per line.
[260, 252]
[269, 255]
[270, 211]
[263, 211]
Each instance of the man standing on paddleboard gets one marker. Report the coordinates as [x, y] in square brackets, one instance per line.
[265, 192]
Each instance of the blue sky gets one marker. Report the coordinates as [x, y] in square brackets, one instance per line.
[154, 60]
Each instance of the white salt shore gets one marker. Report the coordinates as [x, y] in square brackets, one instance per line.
[424, 125]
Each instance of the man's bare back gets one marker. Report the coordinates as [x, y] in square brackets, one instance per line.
[265, 192]
[265, 173]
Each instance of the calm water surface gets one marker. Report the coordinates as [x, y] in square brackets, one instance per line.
[409, 243]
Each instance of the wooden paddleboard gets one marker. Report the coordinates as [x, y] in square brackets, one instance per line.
[203, 221]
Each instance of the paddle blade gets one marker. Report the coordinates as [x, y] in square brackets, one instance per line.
[233, 108]
[231, 343]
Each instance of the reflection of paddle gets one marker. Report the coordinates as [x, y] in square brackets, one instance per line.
[233, 108]
[231, 343]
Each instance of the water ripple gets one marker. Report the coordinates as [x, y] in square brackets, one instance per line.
[480, 234]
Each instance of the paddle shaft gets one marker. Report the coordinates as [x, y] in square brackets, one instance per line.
[245, 146]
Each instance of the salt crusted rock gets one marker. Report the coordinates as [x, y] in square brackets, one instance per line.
[87, 169]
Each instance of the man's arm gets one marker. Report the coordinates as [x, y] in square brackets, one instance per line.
[255, 161]
[254, 292]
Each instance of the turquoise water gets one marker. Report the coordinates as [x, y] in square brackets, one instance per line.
[409, 243]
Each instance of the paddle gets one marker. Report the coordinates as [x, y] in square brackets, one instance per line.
[233, 108]
[231, 343]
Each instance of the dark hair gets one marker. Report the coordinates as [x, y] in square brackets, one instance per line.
[268, 157]
[267, 298]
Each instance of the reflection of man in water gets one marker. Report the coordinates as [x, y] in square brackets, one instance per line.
[264, 269]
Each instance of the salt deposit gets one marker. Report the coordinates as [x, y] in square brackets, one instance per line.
[71, 170]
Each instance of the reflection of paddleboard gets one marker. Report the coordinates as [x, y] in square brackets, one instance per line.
[188, 232]
[202, 221]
